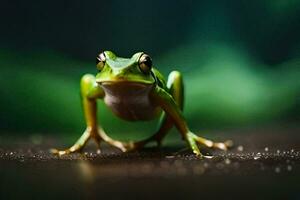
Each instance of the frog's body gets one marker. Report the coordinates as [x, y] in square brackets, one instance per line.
[130, 101]
[134, 90]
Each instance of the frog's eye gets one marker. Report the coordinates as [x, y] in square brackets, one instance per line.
[145, 63]
[100, 61]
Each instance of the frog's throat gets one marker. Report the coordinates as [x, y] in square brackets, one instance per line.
[129, 100]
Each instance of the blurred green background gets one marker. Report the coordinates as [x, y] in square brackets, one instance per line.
[240, 59]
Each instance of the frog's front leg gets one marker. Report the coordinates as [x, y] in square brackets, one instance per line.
[90, 92]
[166, 101]
[176, 89]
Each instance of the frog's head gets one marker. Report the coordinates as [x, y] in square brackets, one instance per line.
[113, 69]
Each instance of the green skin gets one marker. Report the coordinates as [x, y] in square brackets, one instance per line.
[134, 95]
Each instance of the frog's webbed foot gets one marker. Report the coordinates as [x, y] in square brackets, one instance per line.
[208, 143]
[80, 144]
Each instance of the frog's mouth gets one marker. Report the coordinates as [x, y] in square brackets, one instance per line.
[125, 87]
[124, 83]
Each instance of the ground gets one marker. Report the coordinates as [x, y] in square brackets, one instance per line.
[263, 164]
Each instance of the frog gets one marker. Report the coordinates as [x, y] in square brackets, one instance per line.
[135, 90]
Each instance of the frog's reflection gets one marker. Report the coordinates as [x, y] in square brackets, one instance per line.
[95, 169]
[91, 169]
[86, 170]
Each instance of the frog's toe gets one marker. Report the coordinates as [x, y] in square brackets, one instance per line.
[59, 152]
[66, 151]
[133, 146]
[229, 143]
[191, 139]
[210, 144]
[220, 145]
[223, 145]
[122, 147]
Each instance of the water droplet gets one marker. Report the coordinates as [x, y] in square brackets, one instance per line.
[98, 151]
[240, 148]
[170, 157]
[227, 161]
[292, 150]
[256, 157]
[11, 153]
[278, 151]
[277, 169]
[289, 168]
[266, 149]
[209, 157]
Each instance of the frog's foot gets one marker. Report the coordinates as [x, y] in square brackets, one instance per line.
[124, 147]
[135, 146]
[210, 144]
[79, 145]
[73, 149]
[193, 141]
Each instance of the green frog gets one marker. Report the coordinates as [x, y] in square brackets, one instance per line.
[135, 90]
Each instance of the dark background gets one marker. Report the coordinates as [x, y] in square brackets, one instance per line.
[240, 59]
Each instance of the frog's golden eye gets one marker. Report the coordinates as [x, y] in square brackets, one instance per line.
[145, 64]
[100, 61]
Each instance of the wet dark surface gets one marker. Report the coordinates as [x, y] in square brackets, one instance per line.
[264, 164]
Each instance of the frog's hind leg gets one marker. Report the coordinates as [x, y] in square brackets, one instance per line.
[176, 89]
